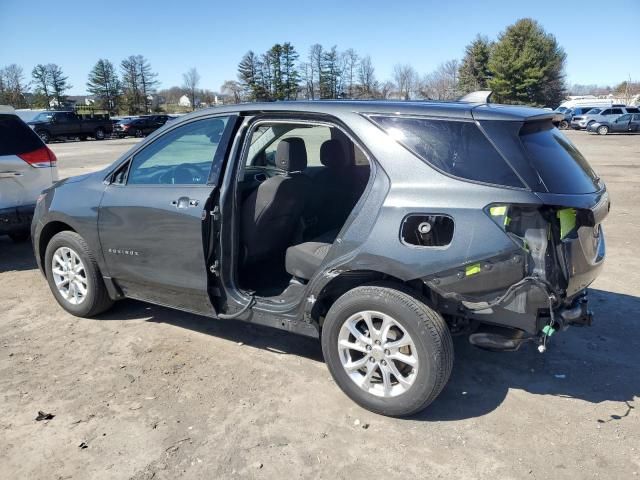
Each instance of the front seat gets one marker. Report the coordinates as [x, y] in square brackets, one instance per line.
[271, 213]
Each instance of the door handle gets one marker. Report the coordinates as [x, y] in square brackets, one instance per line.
[185, 202]
[10, 174]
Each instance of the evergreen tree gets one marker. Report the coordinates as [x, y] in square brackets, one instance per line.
[41, 81]
[527, 66]
[147, 81]
[58, 84]
[291, 75]
[104, 84]
[250, 76]
[474, 72]
[331, 74]
[273, 60]
[130, 86]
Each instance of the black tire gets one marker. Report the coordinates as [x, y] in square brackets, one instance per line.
[427, 329]
[99, 134]
[603, 130]
[44, 136]
[97, 299]
[563, 125]
[82, 138]
[138, 133]
[19, 236]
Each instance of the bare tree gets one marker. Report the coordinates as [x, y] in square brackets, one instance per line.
[442, 84]
[406, 78]
[366, 77]
[190, 81]
[233, 89]
[386, 89]
[316, 54]
[350, 59]
[15, 85]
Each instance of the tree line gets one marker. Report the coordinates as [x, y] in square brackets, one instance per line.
[523, 65]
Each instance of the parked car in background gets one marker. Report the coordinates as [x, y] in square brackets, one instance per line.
[627, 123]
[61, 125]
[27, 167]
[379, 228]
[569, 113]
[600, 114]
[160, 118]
[138, 127]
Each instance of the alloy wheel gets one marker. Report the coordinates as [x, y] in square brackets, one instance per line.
[69, 275]
[378, 354]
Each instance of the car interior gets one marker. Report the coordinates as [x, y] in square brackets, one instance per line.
[297, 187]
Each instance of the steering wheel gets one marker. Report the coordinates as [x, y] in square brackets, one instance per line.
[185, 174]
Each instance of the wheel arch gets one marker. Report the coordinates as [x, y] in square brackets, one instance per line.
[48, 232]
[340, 283]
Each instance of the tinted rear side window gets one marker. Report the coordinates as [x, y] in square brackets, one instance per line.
[16, 137]
[560, 165]
[453, 147]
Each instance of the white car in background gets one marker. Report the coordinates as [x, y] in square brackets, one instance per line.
[27, 167]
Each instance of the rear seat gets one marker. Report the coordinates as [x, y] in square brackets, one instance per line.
[304, 259]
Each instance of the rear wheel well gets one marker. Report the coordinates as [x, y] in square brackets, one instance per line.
[49, 230]
[346, 281]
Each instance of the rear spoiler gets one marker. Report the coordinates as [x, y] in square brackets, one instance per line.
[479, 96]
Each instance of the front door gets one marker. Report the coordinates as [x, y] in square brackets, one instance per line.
[153, 215]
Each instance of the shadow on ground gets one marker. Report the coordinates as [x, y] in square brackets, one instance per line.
[594, 364]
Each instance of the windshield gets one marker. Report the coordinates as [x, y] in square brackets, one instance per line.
[43, 117]
[594, 111]
[558, 162]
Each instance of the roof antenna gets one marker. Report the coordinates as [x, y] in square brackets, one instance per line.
[480, 96]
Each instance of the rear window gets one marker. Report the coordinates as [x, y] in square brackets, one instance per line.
[453, 147]
[632, 110]
[16, 137]
[560, 165]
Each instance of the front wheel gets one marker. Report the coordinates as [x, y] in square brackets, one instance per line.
[99, 134]
[386, 349]
[74, 276]
[138, 133]
[603, 130]
[563, 125]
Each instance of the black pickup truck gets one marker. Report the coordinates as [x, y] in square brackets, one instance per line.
[62, 125]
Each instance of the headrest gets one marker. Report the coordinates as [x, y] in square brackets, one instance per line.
[332, 154]
[291, 155]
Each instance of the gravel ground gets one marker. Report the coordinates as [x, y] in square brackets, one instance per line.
[146, 392]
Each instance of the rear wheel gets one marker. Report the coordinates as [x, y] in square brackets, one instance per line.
[386, 349]
[138, 133]
[99, 134]
[44, 136]
[563, 125]
[74, 276]
[603, 130]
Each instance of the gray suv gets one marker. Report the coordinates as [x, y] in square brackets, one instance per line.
[380, 228]
[601, 114]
